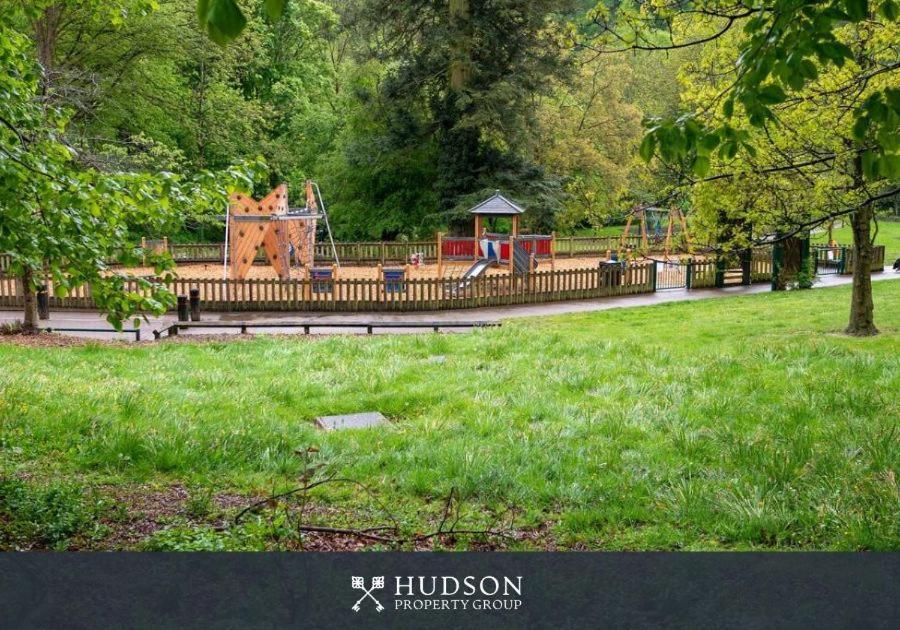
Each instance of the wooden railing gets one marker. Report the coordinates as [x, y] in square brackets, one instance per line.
[383, 252]
[458, 248]
[398, 253]
[393, 253]
[850, 258]
[353, 295]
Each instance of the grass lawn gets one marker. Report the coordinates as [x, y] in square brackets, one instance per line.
[888, 235]
[735, 423]
[606, 230]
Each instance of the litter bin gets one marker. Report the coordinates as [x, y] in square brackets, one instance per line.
[611, 273]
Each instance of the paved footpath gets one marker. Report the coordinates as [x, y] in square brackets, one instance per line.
[92, 319]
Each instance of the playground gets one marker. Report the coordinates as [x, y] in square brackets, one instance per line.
[269, 239]
[278, 253]
[279, 257]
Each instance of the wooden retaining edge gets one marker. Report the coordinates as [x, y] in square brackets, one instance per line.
[370, 326]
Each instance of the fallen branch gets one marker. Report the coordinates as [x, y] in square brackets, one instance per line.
[368, 533]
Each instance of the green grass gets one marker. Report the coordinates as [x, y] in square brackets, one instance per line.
[888, 235]
[606, 230]
[735, 423]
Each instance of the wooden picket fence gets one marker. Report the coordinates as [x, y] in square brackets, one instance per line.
[850, 258]
[10, 291]
[355, 295]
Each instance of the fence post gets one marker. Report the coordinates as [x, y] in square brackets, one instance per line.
[382, 288]
[653, 276]
[720, 273]
[182, 308]
[689, 274]
[195, 304]
[746, 260]
[335, 291]
[43, 302]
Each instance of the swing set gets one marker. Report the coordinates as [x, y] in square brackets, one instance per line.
[657, 228]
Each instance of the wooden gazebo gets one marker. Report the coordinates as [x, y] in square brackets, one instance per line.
[496, 206]
[507, 247]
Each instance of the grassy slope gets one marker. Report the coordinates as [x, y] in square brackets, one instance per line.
[730, 423]
[606, 230]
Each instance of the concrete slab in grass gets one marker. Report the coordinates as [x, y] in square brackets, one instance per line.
[351, 421]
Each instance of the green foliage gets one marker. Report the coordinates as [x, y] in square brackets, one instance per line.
[783, 47]
[318, 95]
[806, 275]
[44, 516]
[66, 220]
[222, 19]
[203, 539]
[769, 150]
[462, 87]
[199, 504]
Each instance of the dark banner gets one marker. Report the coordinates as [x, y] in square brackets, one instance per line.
[421, 590]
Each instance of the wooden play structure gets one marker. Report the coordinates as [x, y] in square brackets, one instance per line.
[287, 235]
[516, 252]
[652, 231]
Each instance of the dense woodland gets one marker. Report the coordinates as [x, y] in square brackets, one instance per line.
[355, 95]
[758, 118]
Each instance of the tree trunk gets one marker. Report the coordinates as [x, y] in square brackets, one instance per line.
[46, 33]
[459, 65]
[862, 310]
[30, 321]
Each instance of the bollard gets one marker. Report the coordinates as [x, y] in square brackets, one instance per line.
[43, 302]
[195, 305]
[182, 308]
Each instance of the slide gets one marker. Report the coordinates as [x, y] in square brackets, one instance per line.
[474, 271]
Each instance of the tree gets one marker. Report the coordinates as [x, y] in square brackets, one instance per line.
[589, 130]
[789, 59]
[67, 222]
[459, 83]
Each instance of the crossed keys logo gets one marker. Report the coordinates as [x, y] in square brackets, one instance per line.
[359, 583]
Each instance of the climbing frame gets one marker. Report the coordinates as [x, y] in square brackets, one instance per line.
[255, 224]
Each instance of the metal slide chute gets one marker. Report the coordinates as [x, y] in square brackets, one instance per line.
[477, 269]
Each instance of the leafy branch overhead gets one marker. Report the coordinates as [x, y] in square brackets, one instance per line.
[68, 223]
[223, 20]
[783, 46]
